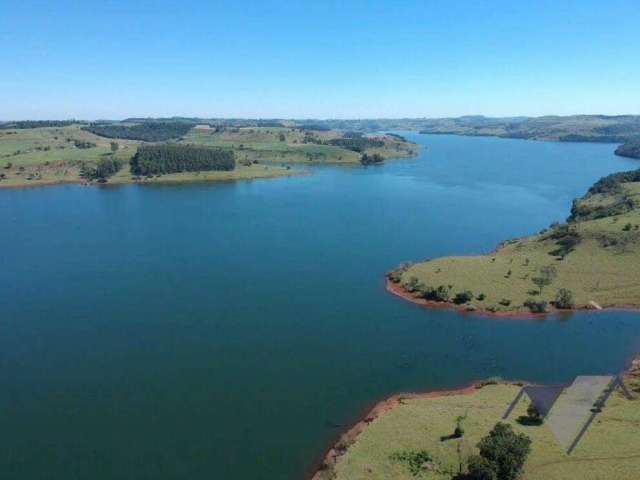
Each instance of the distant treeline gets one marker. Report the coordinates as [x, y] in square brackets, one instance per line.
[631, 150]
[147, 132]
[314, 126]
[356, 143]
[37, 124]
[171, 158]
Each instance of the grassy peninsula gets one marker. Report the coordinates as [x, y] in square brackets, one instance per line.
[410, 436]
[588, 262]
[34, 153]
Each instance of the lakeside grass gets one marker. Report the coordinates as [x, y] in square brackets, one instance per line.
[610, 449]
[601, 268]
[48, 155]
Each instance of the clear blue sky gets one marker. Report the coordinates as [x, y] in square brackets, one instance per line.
[323, 58]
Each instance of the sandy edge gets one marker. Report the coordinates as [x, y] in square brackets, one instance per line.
[340, 447]
[397, 290]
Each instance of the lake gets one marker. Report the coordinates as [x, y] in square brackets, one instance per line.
[232, 331]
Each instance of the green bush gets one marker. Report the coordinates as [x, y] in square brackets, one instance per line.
[536, 306]
[564, 299]
[463, 297]
[502, 453]
[374, 159]
[415, 460]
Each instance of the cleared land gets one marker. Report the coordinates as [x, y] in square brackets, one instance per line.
[610, 449]
[51, 155]
[596, 259]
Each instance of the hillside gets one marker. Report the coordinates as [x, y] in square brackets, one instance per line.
[406, 424]
[43, 153]
[584, 263]
[631, 150]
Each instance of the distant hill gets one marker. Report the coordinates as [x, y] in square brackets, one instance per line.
[576, 128]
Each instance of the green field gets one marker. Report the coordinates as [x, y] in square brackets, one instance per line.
[600, 268]
[609, 450]
[43, 156]
[265, 145]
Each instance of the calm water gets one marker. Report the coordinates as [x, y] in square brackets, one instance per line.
[224, 331]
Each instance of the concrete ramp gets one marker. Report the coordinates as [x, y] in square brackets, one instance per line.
[572, 410]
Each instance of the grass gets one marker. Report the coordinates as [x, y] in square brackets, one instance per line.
[43, 156]
[600, 268]
[264, 144]
[610, 449]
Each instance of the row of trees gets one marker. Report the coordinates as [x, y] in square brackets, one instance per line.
[172, 158]
[147, 132]
[356, 143]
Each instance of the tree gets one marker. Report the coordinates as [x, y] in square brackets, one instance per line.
[282, 137]
[480, 468]
[374, 159]
[114, 147]
[564, 299]
[534, 414]
[546, 277]
[502, 452]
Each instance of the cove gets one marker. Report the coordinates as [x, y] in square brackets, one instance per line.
[234, 330]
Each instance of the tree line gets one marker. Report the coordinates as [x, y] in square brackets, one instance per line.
[172, 158]
[356, 143]
[36, 124]
[147, 132]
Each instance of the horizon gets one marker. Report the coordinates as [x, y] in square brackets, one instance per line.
[363, 60]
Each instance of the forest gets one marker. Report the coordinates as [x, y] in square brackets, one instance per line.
[146, 132]
[172, 158]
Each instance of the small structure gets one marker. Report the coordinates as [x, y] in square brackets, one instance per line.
[570, 410]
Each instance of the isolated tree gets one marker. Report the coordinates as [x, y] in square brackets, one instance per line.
[114, 147]
[503, 453]
[546, 277]
[282, 137]
[564, 299]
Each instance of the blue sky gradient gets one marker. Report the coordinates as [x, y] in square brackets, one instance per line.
[322, 59]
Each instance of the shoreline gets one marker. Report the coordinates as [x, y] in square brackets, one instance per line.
[397, 290]
[344, 440]
[338, 448]
[156, 181]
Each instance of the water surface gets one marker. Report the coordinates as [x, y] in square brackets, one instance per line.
[227, 330]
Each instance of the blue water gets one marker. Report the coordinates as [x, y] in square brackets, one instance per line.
[227, 330]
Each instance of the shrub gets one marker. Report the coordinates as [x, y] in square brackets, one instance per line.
[536, 306]
[505, 302]
[374, 159]
[627, 227]
[463, 297]
[481, 297]
[415, 460]
[564, 299]
[83, 145]
[439, 294]
[534, 414]
[502, 453]
[480, 469]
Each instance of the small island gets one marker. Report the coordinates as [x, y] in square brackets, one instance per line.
[36, 153]
[589, 262]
